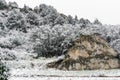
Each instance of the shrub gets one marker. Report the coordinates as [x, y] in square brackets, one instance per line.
[53, 41]
[3, 72]
[12, 39]
[32, 19]
[6, 54]
[16, 21]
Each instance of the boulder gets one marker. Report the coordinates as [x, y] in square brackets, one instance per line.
[89, 52]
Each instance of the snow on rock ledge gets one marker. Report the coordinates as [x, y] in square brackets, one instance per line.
[89, 52]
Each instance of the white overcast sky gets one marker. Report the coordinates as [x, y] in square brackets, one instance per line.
[107, 11]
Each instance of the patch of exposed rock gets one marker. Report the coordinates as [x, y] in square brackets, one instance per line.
[89, 52]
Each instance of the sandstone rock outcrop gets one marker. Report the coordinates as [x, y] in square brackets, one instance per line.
[89, 52]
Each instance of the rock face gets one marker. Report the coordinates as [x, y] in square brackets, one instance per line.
[89, 52]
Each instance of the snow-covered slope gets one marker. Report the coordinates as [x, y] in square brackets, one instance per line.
[35, 69]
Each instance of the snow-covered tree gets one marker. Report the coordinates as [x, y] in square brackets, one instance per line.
[3, 71]
[26, 9]
[2, 24]
[44, 10]
[13, 5]
[3, 4]
[36, 9]
[51, 18]
[47, 13]
[96, 21]
[70, 20]
[53, 41]
[76, 20]
[59, 20]
[16, 21]
[32, 18]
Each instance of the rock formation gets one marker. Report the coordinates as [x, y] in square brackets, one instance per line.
[89, 52]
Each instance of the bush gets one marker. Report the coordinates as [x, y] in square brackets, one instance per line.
[16, 21]
[53, 41]
[12, 39]
[3, 71]
[32, 19]
[6, 54]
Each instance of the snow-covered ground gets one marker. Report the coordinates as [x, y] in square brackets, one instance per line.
[35, 69]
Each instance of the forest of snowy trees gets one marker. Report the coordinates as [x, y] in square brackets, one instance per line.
[45, 31]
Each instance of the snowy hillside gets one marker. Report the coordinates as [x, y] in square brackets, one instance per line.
[31, 38]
